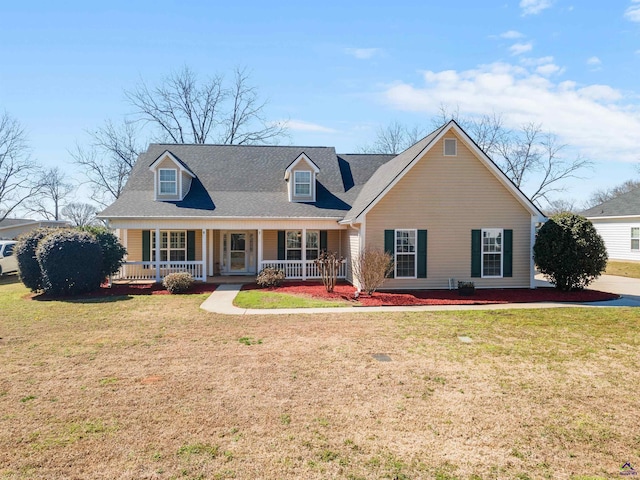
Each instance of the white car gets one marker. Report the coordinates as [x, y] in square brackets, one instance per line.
[8, 261]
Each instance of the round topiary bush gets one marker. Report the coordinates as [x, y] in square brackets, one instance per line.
[71, 262]
[112, 250]
[25, 251]
[178, 282]
[570, 252]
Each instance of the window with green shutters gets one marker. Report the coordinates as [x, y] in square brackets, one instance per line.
[491, 253]
[408, 248]
[175, 245]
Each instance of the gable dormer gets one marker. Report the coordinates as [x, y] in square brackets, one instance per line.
[171, 178]
[301, 178]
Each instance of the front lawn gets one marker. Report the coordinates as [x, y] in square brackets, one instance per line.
[266, 299]
[151, 386]
[623, 269]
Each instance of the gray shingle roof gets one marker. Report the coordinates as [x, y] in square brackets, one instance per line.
[627, 204]
[386, 174]
[246, 181]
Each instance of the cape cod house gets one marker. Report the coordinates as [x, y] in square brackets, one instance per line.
[442, 208]
[618, 223]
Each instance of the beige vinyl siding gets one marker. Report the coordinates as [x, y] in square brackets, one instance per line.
[448, 197]
[134, 245]
[302, 165]
[270, 244]
[353, 251]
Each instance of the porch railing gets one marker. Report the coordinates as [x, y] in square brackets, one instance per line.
[298, 269]
[147, 270]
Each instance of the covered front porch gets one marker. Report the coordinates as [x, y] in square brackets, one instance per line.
[206, 252]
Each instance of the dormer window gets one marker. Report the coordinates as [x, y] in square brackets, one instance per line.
[168, 181]
[302, 183]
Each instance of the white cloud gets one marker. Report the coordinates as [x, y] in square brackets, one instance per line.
[302, 126]
[520, 48]
[549, 69]
[511, 35]
[533, 7]
[585, 117]
[633, 11]
[362, 53]
[594, 61]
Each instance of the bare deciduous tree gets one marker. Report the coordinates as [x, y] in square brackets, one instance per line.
[17, 168]
[183, 110]
[394, 138]
[108, 160]
[371, 269]
[561, 205]
[54, 190]
[80, 214]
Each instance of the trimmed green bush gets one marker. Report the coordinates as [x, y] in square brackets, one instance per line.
[70, 261]
[178, 282]
[112, 250]
[270, 277]
[570, 252]
[25, 251]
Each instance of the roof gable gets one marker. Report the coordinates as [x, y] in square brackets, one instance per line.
[387, 176]
[168, 155]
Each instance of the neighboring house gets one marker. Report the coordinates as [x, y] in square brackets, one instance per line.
[618, 223]
[442, 208]
[11, 228]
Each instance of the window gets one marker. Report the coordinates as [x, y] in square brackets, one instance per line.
[405, 253]
[635, 238]
[168, 181]
[450, 147]
[492, 252]
[302, 183]
[173, 246]
[8, 250]
[294, 245]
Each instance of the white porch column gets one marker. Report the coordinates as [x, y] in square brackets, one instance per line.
[211, 272]
[157, 255]
[260, 250]
[204, 254]
[304, 254]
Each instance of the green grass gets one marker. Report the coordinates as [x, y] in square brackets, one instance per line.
[623, 269]
[262, 299]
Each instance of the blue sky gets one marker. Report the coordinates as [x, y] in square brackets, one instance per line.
[339, 70]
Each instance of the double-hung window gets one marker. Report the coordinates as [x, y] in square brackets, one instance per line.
[173, 246]
[405, 253]
[492, 252]
[635, 238]
[294, 245]
[168, 181]
[302, 183]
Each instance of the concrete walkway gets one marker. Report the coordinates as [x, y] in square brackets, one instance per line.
[221, 301]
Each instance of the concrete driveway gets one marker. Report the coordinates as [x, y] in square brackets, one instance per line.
[628, 288]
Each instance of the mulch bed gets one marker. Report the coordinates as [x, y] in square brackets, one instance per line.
[131, 289]
[344, 291]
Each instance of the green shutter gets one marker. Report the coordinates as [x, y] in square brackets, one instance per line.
[507, 265]
[146, 245]
[191, 245]
[476, 253]
[422, 254]
[389, 246]
[323, 240]
[281, 245]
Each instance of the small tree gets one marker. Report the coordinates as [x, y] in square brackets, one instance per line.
[28, 266]
[71, 262]
[112, 250]
[570, 252]
[328, 264]
[371, 268]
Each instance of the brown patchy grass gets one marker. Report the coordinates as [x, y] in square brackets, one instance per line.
[152, 387]
[623, 269]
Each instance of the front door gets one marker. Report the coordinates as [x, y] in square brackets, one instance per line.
[237, 252]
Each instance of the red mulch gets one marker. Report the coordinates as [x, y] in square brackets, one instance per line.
[345, 291]
[122, 290]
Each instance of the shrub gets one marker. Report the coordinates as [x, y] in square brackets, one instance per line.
[270, 277]
[25, 251]
[371, 268]
[178, 282]
[112, 250]
[570, 252]
[70, 262]
[328, 264]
